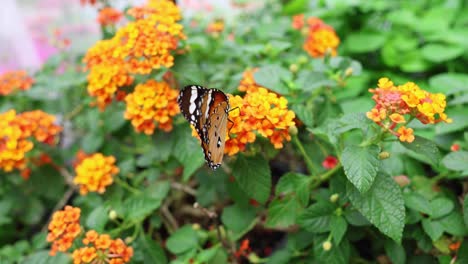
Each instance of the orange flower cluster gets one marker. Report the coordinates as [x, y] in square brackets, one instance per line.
[109, 16]
[321, 38]
[261, 111]
[133, 50]
[215, 27]
[63, 229]
[16, 132]
[392, 103]
[152, 102]
[14, 80]
[102, 249]
[95, 173]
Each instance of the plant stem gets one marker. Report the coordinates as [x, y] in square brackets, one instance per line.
[325, 176]
[125, 185]
[309, 163]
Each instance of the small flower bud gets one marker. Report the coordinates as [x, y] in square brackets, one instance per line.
[455, 147]
[128, 240]
[304, 31]
[196, 226]
[302, 59]
[253, 258]
[292, 130]
[348, 71]
[327, 245]
[402, 180]
[293, 68]
[334, 197]
[112, 214]
[384, 155]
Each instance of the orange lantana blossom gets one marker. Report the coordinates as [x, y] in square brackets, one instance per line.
[259, 111]
[109, 16]
[152, 102]
[95, 172]
[321, 38]
[395, 105]
[102, 249]
[112, 63]
[13, 81]
[63, 229]
[17, 132]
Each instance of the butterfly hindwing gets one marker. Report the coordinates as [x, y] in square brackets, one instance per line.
[207, 110]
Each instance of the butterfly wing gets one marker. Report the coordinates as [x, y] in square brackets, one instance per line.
[192, 101]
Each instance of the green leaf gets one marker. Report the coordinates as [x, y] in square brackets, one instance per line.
[92, 141]
[382, 205]
[152, 251]
[460, 122]
[465, 210]
[338, 227]
[338, 254]
[97, 219]
[462, 256]
[294, 183]
[139, 206]
[395, 252]
[424, 147]
[453, 224]
[43, 257]
[254, 177]
[361, 42]
[317, 217]
[417, 202]
[282, 213]
[441, 206]
[457, 160]
[207, 254]
[361, 165]
[439, 53]
[433, 228]
[192, 160]
[309, 81]
[448, 83]
[182, 240]
[271, 77]
[238, 218]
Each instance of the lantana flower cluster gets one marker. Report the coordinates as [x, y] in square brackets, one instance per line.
[393, 103]
[13, 81]
[258, 111]
[109, 16]
[95, 172]
[320, 37]
[137, 48]
[152, 102]
[17, 132]
[64, 230]
[102, 249]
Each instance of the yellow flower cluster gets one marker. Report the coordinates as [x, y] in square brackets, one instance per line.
[16, 132]
[393, 102]
[152, 102]
[258, 111]
[95, 172]
[139, 47]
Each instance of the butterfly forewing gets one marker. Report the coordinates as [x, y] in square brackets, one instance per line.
[207, 110]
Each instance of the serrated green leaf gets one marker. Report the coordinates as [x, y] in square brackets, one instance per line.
[441, 206]
[152, 251]
[395, 252]
[361, 165]
[382, 205]
[192, 160]
[441, 52]
[283, 212]
[97, 219]
[182, 240]
[338, 227]
[316, 218]
[453, 224]
[465, 209]
[139, 206]
[457, 160]
[309, 81]
[424, 147]
[92, 141]
[294, 183]
[207, 254]
[238, 218]
[254, 177]
[433, 228]
[272, 77]
[43, 257]
[417, 202]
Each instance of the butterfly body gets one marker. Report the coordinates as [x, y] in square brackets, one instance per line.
[207, 111]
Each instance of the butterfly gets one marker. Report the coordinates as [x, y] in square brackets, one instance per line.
[207, 110]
